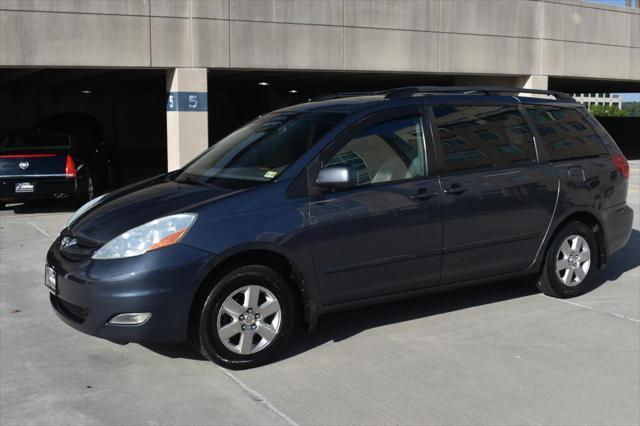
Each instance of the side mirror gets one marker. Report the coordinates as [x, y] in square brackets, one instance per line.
[337, 177]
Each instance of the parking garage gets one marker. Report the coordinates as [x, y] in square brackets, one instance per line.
[120, 70]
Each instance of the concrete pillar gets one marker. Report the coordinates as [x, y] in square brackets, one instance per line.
[540, 82]
[187, 115]
[537, 82]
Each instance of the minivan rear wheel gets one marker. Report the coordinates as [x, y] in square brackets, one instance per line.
[569, 263]
[247, 319]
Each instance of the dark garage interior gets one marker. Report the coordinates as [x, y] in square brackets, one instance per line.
[127, 104]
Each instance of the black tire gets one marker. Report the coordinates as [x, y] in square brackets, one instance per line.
[208, 340]
[550, 283]
[87, 192]
[90, 189]
[110, 180]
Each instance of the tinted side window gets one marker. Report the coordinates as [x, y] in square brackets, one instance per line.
[388, 151]
[605, 137]
[483, 137]
[565, 133]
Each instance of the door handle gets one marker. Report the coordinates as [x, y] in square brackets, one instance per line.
[455, 189]
[424, 194]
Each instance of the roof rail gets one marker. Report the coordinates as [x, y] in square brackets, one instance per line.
[340, 95]
[407, 92]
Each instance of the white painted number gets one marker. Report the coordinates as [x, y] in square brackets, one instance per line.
[193, 101]
[170, 101]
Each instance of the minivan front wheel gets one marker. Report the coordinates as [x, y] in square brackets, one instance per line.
[571, 258]
[248, 318]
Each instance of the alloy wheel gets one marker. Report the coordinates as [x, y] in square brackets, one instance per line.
[249, 320]
[573, 260]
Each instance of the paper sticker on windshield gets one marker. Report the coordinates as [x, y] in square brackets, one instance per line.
[271, 174]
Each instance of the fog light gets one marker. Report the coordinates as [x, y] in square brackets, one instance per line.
[131, 318]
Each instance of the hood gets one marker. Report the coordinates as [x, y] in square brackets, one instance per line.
[141, 203]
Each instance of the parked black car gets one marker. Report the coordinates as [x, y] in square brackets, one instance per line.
[39, 164]
[340, 203]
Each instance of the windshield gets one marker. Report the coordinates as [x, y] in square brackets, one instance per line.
[264, 148]
[35, 141]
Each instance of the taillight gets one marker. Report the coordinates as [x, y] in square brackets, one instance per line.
[621, 164]
[70, 168]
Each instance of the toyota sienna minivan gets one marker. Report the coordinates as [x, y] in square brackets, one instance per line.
[342, 202]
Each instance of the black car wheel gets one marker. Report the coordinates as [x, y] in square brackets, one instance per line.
[87, 191]
[569, 263]
[247, 319]
[90, 189]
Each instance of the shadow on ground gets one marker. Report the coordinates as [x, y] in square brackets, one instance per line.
[339, 326]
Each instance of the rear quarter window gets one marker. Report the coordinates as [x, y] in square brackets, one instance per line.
[603, 133]
[566, 134]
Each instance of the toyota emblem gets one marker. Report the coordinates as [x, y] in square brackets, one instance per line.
[67, 241]
[23, 165]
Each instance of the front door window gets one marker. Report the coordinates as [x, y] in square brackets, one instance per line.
[389, 151]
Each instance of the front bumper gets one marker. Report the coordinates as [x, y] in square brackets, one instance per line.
[163, 282]
[43, 187]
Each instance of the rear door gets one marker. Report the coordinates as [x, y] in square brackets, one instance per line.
[385, 235]
[497, 199]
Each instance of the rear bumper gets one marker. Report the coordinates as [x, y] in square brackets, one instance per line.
[618, 222]
[43, 187]
[162, 282]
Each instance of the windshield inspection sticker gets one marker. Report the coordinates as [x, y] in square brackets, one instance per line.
[271, 174]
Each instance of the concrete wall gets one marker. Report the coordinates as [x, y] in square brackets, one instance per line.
[516, 37]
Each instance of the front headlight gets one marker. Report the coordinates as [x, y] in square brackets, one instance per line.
[153, 235]
[86, 206]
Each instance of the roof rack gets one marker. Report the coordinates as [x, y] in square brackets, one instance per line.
[408, 92]
[340, 95]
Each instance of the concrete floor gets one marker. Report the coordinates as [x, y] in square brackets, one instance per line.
[498, 354]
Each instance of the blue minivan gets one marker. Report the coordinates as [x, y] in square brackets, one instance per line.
[344, 202]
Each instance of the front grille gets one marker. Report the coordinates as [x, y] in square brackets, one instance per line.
[76, 249]
[73, 312]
